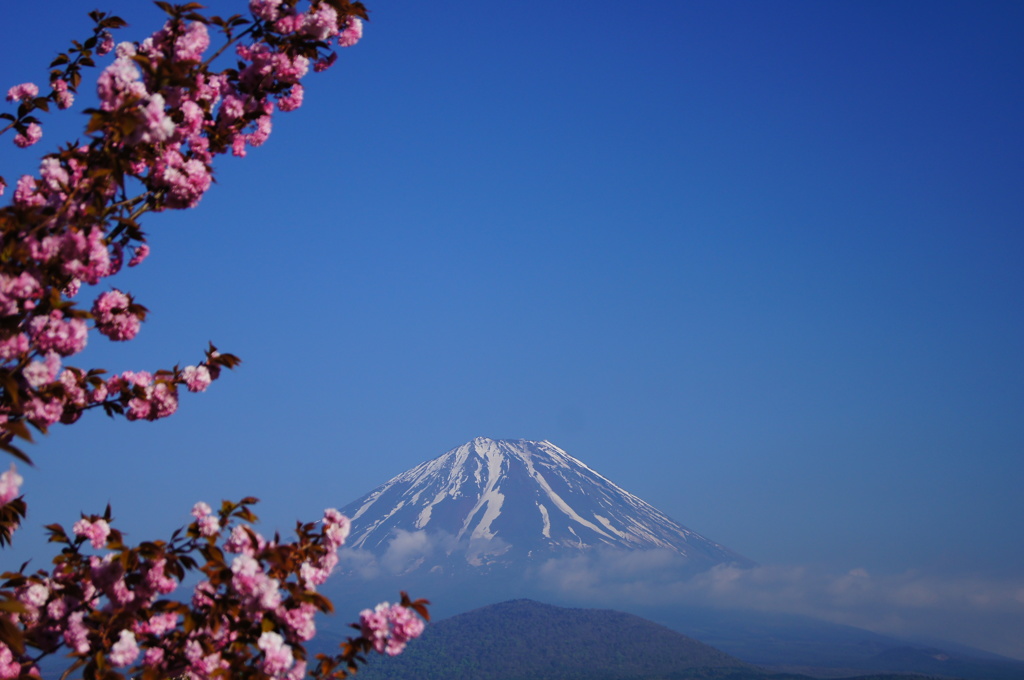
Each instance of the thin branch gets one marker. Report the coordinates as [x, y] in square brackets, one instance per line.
[231, 40]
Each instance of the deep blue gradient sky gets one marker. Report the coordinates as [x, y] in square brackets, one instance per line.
[758, 263]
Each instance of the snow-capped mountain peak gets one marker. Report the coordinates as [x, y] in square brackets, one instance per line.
[491, 502]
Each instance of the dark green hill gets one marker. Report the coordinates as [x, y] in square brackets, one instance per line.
[527, 640]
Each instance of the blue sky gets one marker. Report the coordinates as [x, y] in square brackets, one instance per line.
[758, 263]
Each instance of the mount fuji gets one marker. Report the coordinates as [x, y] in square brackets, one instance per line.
[499, 519]
[491, 505]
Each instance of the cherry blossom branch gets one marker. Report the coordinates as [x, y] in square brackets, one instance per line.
[164, 116]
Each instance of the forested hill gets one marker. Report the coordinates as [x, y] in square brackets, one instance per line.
[527, 640]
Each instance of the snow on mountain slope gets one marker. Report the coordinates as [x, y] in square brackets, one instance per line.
[504, 502]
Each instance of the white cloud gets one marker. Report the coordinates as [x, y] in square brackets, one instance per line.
[405, 551]
[987, 613]
[983, 612]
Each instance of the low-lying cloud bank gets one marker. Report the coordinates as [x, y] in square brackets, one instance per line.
[987, 613]
[981, 612]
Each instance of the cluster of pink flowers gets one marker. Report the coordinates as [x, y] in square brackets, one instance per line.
[54, 333]
[207, 522]
[65, 98]
[256, 608]
[30, 136]
[197, 378]
[20, 93]
[336, 526]
[390, 627]
[112, 313]
[162, 125]
[33, 133]
[95, 530]
[164, 115]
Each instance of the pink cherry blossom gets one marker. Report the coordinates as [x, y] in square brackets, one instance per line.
[74, 392]
[125, 650]
[23, 287]
[9, 666]
[321, 23]
[405, 625]
[353, 32]
[13, 346]
[154, 123]
[87, 257]
[374, 625]
[96, 531]
[389, 627]
[121, 81]
[106, 45]
[34, 595]
[20, 93]
[292, 100]
[197, 378]
[257, 590]
[108, 576]
[265, 9]
[158, 580]
[26, 194]
[153, 657]
[113, 317]
[262, 132]
[289, 23]
[138, 378]
[209, 525]
[205, 666]
[10, 485]
[163, 399]
[57, 609]
[298, 671]
[76, 635]
[312, 575]
[277, 656]
[336, 528]
[65, 98]
[232, 108]
[158, 624]
[53, 174]
[37, 374]
[141, 253]
[33, 133]
[53, 333]
[185, 179]
[43, 412]
[203, 594]
[300, 620]
[191, 44]
[241, 541]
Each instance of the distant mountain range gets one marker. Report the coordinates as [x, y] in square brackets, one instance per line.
[495, 520]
